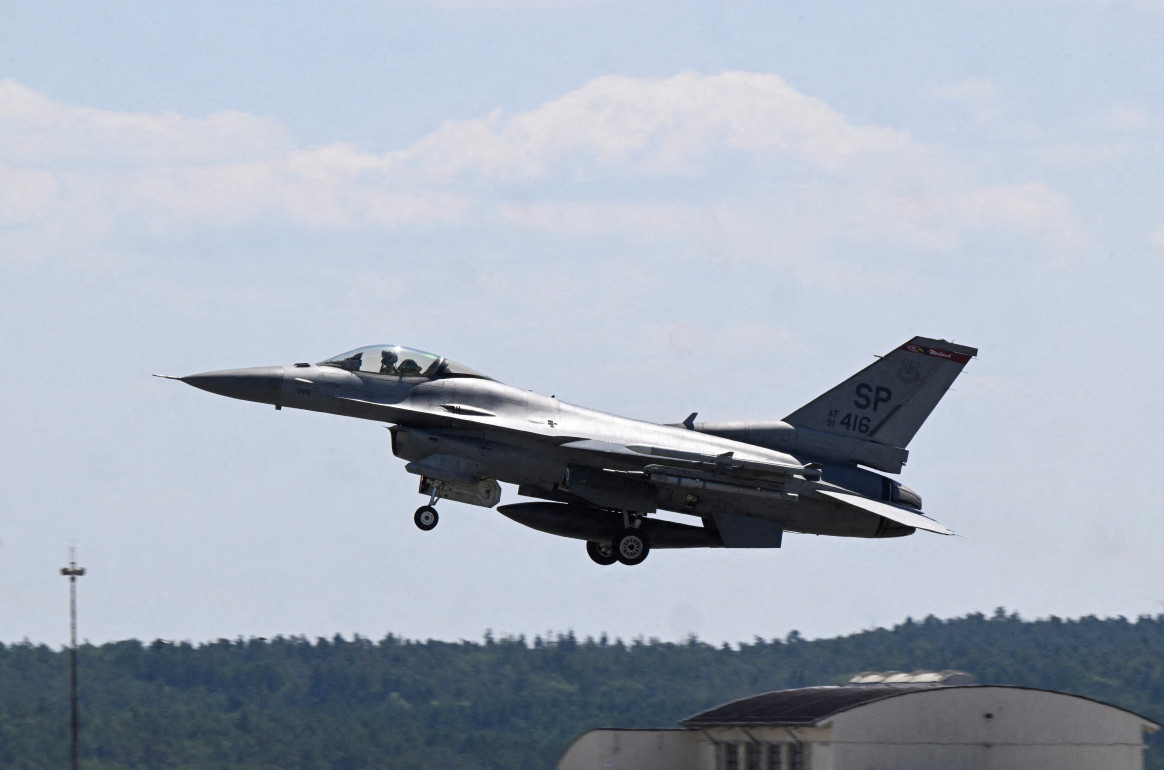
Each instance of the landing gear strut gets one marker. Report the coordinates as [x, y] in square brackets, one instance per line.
[426, 516]
[601, 553]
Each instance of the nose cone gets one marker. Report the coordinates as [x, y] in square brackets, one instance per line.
[258, 383]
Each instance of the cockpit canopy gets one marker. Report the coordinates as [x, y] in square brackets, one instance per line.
[399, 361]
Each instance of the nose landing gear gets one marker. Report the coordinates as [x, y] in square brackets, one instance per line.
[426, 516]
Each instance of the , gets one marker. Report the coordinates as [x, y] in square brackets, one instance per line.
[598, 478]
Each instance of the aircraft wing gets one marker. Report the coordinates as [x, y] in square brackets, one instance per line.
[407, 415]
[723, 468]
[892, 512]
[452, 416]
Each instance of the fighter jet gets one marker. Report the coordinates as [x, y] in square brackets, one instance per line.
[599, 478]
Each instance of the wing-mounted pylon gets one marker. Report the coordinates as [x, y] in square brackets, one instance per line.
[728, 463]
[725, 473]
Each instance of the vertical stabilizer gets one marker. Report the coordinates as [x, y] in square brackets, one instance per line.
[887, 401]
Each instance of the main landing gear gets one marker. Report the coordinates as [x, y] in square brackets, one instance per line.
[630, 546]
[601, 553]
[426, 516]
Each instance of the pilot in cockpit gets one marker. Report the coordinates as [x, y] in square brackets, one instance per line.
[409, 367]
[388, 362]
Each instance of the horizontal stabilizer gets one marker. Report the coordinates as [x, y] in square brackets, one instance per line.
[892, 512]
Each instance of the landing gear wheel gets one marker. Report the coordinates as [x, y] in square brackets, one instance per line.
[631, 546]
[426, 517]
[601, 553]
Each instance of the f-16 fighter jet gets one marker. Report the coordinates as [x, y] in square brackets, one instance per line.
[598, 478]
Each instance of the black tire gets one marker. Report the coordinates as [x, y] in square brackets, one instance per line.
[601, 553]
[426, 517]
[631, 547]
